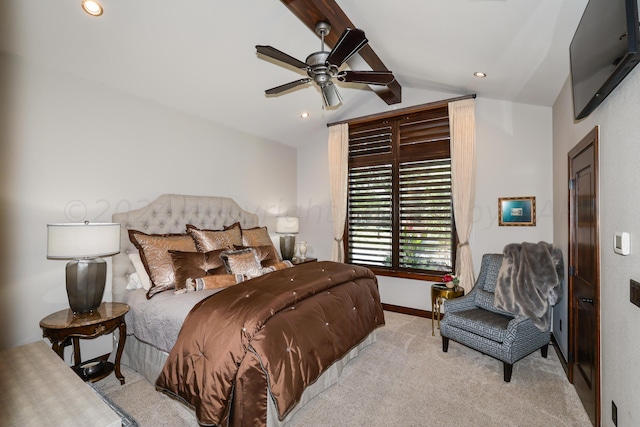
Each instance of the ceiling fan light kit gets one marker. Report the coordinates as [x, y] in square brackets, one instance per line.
[323, 66]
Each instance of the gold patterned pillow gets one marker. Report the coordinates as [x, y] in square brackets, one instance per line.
[154, 252]
[210, 240]
[258, 236]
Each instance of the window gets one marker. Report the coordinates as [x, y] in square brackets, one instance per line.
[399, 214]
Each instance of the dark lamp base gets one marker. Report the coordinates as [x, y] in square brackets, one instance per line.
[288, 246]
[85, 284]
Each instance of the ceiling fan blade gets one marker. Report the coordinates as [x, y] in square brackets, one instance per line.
[350, 42]
[330, 95]
[285, 87]
[274, 53]
[367, 77]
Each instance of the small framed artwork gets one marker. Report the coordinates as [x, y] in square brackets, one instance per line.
[518, 211]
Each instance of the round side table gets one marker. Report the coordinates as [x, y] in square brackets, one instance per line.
[439, 293]
[65, 327]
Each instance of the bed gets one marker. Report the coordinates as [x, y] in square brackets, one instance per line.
[305, 324]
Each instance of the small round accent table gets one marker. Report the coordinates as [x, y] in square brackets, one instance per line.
[64, 327]
[439, 293]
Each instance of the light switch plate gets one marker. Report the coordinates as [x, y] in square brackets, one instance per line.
[622, 243]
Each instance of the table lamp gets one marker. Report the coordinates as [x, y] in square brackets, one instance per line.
[84, 243]
[288, 226]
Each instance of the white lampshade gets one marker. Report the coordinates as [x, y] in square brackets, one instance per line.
[287, 225]
[82, 240]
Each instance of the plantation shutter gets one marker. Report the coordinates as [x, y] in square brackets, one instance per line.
[370, 195]
[370, 215]
[425, 215]
[399, 215]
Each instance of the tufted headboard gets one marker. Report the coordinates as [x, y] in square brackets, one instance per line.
[170, 213]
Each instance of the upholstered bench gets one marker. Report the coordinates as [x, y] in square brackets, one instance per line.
[126, 419]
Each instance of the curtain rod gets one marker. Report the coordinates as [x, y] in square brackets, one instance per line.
[406, 110]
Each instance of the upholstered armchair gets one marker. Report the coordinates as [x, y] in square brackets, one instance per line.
[474, 321]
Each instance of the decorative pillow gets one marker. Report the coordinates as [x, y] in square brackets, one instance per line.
[194, 265]
[143, 276]
[218, 281]
[154, 252]
[245, 262]
[234, 225]
[134, 282]
[258, 236]
[210, 240]
[267, 254]
[281, 265]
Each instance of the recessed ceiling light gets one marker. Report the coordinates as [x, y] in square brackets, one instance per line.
[92, 7]
[480, 74]
[304, 115]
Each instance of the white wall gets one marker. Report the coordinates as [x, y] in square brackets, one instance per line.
[514, 153]
[514, 146]
[565, 137]
[619, 142]
[75, 151]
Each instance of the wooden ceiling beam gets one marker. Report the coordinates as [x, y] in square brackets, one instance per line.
[310, 12]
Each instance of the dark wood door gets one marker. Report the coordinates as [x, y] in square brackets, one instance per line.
[584, 274]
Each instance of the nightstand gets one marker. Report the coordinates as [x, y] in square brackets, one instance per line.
[296, 261]
[439, 293]
[64, 327]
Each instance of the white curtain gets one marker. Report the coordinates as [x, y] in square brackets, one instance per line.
[338, 169]
[462, 123]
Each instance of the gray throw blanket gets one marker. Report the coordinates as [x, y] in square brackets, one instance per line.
[529, 281]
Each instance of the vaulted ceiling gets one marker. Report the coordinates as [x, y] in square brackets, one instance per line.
[199, 56]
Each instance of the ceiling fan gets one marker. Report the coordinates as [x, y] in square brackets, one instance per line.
[323, 66]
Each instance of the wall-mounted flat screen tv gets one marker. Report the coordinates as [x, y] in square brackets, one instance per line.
[603, 51]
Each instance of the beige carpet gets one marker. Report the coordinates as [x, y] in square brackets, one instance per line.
[405, 379]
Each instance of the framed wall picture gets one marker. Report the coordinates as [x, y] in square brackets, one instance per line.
[517, 211]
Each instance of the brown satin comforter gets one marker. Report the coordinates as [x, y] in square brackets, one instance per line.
[281, 330]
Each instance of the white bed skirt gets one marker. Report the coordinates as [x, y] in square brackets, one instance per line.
[143, 358]
[149, 361]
